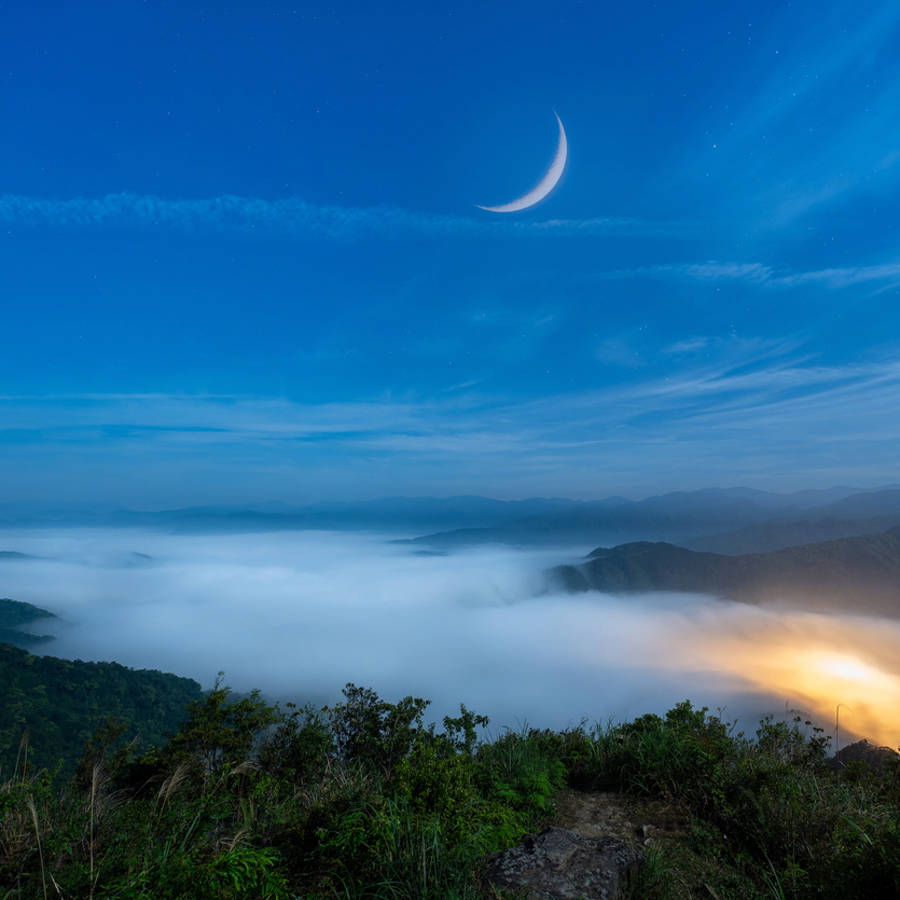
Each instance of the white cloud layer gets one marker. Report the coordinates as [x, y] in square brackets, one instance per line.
[299, 614]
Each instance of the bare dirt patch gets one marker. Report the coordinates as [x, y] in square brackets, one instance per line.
[687, 869]
[633, 820]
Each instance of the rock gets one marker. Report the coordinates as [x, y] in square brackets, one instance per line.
[563, 865]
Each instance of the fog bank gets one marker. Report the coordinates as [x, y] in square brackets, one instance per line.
[299, 614]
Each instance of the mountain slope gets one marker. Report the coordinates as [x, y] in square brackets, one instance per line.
[58, 703]
[862, 513]
[778, 534]
[13, 615]
[859, 574]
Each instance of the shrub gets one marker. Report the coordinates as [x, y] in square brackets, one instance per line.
[248, 802]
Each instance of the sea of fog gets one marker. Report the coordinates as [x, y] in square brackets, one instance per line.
[299, 614]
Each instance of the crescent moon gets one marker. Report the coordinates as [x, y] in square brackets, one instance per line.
[546, 184]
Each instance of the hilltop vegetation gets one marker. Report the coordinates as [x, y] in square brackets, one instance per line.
[250, 801]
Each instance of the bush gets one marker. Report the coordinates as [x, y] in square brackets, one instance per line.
[248, 801]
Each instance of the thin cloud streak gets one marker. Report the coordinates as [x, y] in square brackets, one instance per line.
[818, 126]
[293, 217]
[755, 273]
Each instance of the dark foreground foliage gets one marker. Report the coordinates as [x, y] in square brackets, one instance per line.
[363, 800]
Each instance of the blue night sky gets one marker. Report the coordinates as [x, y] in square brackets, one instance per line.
[241, 259]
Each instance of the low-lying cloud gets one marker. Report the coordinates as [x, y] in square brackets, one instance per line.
[298, 614]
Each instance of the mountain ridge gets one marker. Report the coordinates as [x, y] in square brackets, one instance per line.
[856, 574]
[724, 520]
[410, 513]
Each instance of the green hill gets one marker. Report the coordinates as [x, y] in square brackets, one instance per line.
[59, 703]
[13, 615]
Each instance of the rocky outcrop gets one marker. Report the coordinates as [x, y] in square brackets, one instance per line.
[558, 864]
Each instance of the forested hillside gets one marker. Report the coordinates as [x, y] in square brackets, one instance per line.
[13, 615]
[58, 703]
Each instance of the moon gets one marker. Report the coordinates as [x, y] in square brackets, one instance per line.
[546, 184]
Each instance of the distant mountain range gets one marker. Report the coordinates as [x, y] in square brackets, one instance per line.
[858, 574]
[398, 514]
[734, 520]
[774, 534]
[122, 559]
[726, 520]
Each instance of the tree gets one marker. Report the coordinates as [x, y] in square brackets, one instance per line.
[371, 730]
[219, 730]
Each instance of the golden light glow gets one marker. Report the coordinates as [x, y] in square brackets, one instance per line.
[807, 661]
[847, 668]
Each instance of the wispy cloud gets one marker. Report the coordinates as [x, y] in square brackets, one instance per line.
[690, 345]
[293, 217]
[750, 412]
[811, 118]
[842, 277]
[756, 273]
